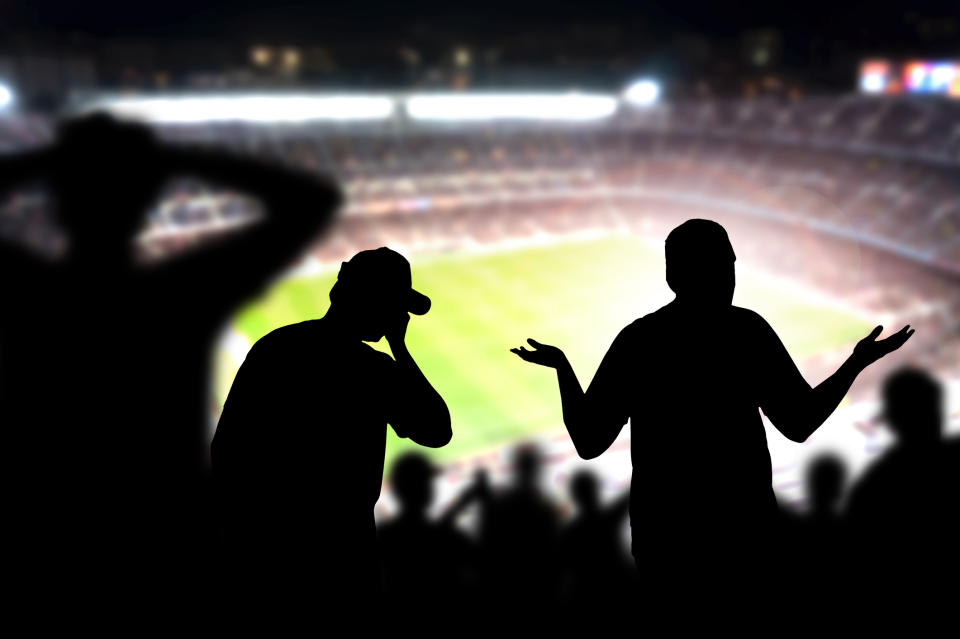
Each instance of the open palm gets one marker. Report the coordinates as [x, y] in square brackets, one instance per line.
[543, 354]
[870, 349]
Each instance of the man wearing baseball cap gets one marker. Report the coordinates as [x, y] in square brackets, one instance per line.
[298, 453]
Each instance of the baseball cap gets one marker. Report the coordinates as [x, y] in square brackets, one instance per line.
[383, 272]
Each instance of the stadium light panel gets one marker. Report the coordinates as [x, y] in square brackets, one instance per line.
[526, 106]
[250, 108]
[6, 96]
[872, 83]
[642, 93]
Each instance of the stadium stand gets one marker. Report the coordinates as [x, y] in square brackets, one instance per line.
[870, 176]
[869, 184]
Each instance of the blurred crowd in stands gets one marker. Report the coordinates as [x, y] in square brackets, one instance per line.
[876, 182]
[521, 545]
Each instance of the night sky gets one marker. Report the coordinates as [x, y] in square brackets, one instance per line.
[588, 43]
[481, 21]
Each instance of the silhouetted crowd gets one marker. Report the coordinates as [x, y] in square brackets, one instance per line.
[890, 534]
[519, 549]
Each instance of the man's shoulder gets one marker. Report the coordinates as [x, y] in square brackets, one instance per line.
[751, 321]
[291, 331]
[643, 321]
[295, 338]
[648, 322]
[287, 337]
[746, 315]
[639, 330]
[631, 332]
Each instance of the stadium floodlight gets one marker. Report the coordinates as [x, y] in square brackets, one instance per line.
[642, 93]
[518, 106]
[6, 96]
[250, 108]
[872, 83]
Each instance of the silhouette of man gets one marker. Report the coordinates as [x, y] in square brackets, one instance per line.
[298, 453]
[519, 535]
[105, 393]
[907, 499]
[593, 553]
[424, 560]
[691, 377]
[818, 540]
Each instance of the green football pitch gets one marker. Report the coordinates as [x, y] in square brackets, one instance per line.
[576, 295]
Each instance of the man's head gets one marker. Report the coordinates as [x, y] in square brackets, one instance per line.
[412, 480]
[374, 290]
[585, 491]
[913, 406]
[104, 178]
[700, 263]
[527, 464]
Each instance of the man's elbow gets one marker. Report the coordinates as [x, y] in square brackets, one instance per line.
[796, 431]
[591, 439]
[798, 438]
[588, 453]
[588, 449]
[437, 439]
[437, 434]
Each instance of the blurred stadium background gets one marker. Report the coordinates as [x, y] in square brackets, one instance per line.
[528, 211]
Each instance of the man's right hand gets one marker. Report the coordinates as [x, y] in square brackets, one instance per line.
[545, 355]
[870, 349]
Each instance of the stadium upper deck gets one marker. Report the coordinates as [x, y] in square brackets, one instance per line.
[885, 171]
[880, 170]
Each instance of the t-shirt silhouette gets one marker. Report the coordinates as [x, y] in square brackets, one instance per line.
[299, 450]
[692, 386]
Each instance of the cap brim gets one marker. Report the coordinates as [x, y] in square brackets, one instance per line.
[417, 303]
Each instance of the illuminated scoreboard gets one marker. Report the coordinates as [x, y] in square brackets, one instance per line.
[941, 77]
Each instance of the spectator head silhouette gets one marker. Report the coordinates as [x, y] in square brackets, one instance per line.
[826, 476]
[700, 261]
[913, 406]
[527, 465]
[373, 289]
[100, 159]
[585, 491]
[412, 480]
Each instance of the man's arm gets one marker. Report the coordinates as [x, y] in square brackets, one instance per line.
[798, 411]
[593, 418]
[420, 412]
[478, 491]
[297, 205]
